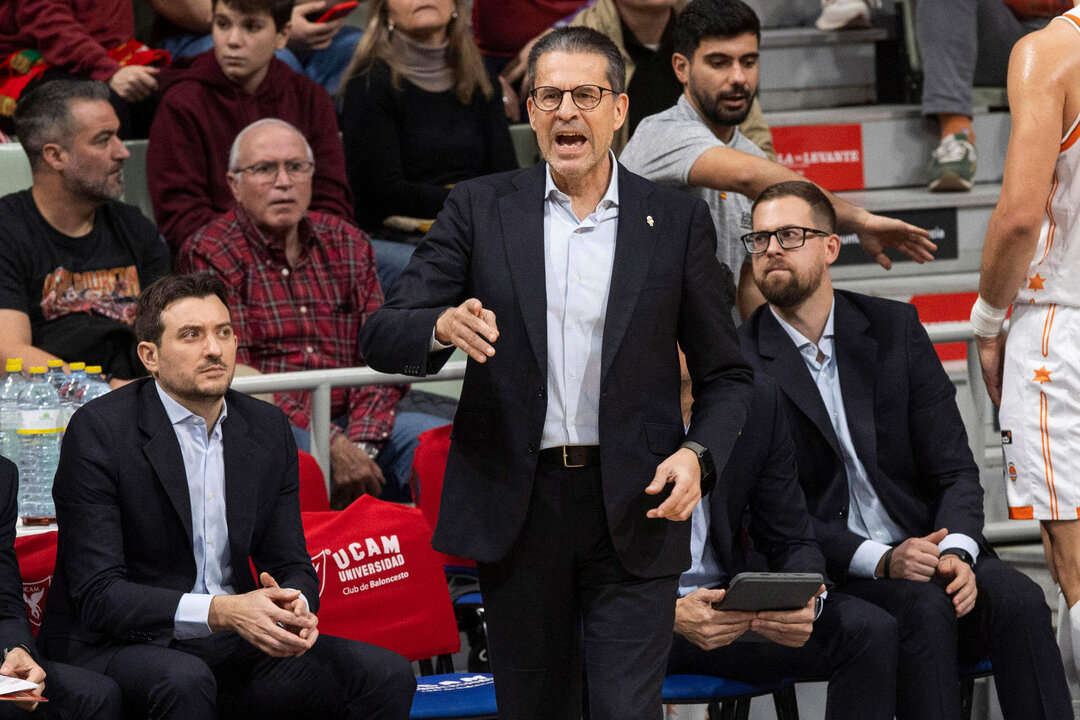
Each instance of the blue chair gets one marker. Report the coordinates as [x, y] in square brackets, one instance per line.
[969, 673]
[729, 699]
[454, 695]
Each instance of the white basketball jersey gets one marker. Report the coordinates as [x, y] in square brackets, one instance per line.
[1052, 277]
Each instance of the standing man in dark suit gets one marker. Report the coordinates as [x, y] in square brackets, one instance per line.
[73, 693]
[570, 479]
[757, 497]
[165, 489]
[887, 471]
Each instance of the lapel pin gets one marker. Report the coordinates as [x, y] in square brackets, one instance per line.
[648, 219]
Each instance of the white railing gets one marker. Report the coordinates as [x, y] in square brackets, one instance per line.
[320, 383]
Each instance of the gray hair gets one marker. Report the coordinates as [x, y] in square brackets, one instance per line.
[234, 151]
[581, 40]
[44, 116]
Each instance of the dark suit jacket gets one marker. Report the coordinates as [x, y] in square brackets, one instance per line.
[14, 626]
[759, 491]
[125, 553]
[666, 289]
[902, 415]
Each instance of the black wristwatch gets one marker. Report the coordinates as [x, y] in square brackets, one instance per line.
[960, 553]
[704, 457]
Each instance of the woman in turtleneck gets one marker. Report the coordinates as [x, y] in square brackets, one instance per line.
[419, 113]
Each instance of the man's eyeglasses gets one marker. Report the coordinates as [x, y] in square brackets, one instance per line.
[267, 172]
[789, 237]
[586, 97]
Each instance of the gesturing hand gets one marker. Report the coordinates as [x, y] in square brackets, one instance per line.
[683, 470]
[709, 629]
[917, 558]
[878, 232]
[469, 326]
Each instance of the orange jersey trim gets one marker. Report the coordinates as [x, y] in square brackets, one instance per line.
[1026, 512]
[1073, 136]
[1050, 214]
[1047, 324]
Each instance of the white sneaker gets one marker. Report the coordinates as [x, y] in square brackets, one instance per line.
[844, 14]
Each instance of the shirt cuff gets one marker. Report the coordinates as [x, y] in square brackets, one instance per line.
[436, 345]
[962, 541]
[866, 558]
[192, 618]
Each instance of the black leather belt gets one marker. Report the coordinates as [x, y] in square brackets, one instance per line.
[571, 456]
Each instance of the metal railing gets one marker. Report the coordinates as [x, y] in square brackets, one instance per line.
[320, 383]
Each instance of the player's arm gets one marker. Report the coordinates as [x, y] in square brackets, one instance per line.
[726, 169]
[15, 339]
[1035, 96]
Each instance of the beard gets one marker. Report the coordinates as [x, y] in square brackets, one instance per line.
[789, 290]
[712, 105]
[86, 182]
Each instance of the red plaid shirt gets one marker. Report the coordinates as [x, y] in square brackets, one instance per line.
[303, 317]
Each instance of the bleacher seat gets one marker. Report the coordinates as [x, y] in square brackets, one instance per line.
[729, 699]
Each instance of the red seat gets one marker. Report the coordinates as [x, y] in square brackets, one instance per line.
[37, 559]
[313, 496]
[429, 467]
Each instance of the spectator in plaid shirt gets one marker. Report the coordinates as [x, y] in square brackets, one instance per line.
[301, 283]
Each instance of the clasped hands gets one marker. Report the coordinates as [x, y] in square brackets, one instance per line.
[698, 622]
[274, 619]
[918, 559]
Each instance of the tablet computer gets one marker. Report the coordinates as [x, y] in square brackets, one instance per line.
[754, 591]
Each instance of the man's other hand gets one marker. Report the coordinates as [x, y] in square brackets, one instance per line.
[353, 471]
[709, 629]
[877, 232]
[19, 664]
[469, 326]
[684, 472]
[309, 35]
[787, 627]
[260, 618]
[916, 558]
[134, 82]
[959, 581]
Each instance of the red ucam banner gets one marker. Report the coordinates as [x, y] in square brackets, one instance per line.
[830, 155]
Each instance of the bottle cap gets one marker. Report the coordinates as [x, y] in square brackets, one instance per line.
[55, 363]
[93, 369]
[77, 365]
[14, 365]
[37, 370]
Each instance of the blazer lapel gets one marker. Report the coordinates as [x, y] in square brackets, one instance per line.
[241, 485]
[162, 449]
[856, 357]
[522, 215]
[786, 365]
[634, 243]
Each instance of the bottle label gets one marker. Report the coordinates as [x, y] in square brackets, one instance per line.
[38, 422]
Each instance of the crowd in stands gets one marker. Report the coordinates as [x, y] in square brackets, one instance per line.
[295, 167]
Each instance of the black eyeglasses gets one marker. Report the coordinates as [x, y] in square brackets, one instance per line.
[789, 237]
[267, 172]
[586, 97]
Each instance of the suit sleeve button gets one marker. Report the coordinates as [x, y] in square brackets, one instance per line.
[531, 447]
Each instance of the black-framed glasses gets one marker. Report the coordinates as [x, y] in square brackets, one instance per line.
[789, 237]
[586, 97]
[267, 172]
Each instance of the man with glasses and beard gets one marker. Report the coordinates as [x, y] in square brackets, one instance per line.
[891, 485]
[697, 145]
[72, 256]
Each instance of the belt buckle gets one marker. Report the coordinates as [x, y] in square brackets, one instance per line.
[566, 462]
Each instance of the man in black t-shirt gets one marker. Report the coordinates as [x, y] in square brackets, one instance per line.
[72, 257]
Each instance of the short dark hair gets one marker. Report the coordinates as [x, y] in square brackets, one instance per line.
[164, 291]
[713, 19]
[581, 40]
[43, 115]
[280, 10]
[823, 210]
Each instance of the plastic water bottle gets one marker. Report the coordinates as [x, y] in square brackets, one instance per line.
[56, 375]
[9, 410]
[39, 448]
[93, 385]
[71, 392]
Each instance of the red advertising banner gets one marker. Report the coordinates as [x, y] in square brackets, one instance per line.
[830, 155]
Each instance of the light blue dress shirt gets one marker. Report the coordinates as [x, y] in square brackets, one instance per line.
[704, 571]
[204, 465]
[867, 517]
[578, 257]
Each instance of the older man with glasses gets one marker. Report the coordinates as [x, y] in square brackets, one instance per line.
[301, 283]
